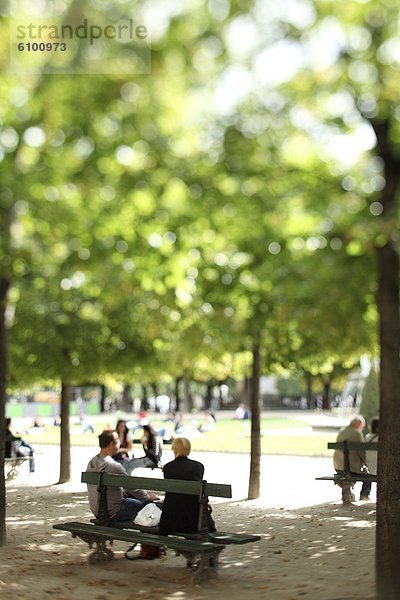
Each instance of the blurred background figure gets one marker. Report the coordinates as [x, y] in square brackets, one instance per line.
[208, 423]
[86, 424]
[371, 457]
[15, 446]
[242, 412]
[152, 445]
[125, 439]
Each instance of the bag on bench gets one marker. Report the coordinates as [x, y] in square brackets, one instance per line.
[148, 516]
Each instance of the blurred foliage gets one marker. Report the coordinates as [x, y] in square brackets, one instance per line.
[370, 400]
[153, 225]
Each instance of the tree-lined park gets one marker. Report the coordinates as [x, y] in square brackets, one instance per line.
[230, 214]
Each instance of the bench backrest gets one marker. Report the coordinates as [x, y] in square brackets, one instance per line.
[180, 486]
[353, 446]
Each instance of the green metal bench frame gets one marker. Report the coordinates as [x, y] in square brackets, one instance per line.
[12, 464]
[348, 476]
[200, 548]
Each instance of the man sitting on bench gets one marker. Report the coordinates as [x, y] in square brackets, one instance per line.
[121, 505]
[352, 433]
[15, 446]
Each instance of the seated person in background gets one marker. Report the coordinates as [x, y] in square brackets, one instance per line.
[179, 424]
[352, 433]
[125, 440]
[209, 422]
[371, 455]
[15, 446]
[181, 511]
[242, 412]
[122, 505]
[86, 424]
[152, 445]
[143, 418]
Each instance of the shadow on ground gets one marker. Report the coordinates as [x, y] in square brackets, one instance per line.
[303, 553]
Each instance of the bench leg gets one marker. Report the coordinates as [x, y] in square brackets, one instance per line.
[13, 468]
[11, 473]
[203, 566]
[101, 553]
[347, 495]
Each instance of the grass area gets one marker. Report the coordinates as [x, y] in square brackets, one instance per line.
[228, 436]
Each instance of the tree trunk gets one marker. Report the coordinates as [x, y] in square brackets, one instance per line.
[247, 391]
[144, 405]
[388, 504]
[220, 395]
[255, 451]
[103, 399]
[65, 442]
[4, 285]
[309, 391]
[326, 401]
[156, 393]
[388, 499]
[208, 397]
[187, 396]
[126, 398]
[177, 394]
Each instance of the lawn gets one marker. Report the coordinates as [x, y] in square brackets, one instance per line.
[280, 436]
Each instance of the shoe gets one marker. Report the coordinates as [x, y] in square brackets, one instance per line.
[364, 498]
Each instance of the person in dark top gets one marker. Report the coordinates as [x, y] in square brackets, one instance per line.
[181, 511]
[152, 446]
[16, 445]
[125, 440]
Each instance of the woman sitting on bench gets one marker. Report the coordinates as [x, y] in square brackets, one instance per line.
[181, 511]
[152, 446]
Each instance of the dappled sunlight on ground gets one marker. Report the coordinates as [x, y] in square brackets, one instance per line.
[310, 552]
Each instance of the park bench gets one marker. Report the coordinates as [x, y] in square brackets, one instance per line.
[12, 465]
[347, 477]
[200, 548]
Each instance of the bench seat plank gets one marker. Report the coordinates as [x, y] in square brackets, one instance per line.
[214, 536]
[357, 477]
[354, 446]
[222, 537]
[178, 544]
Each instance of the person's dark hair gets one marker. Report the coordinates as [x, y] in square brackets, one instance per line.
[8, 421]
[374, 425]
[149, 429]
[119, 422]
[106, 437]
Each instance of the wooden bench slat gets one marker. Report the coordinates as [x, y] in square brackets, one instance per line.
[360, 477]
[130, 536]
[217, 536]
[180, 486]
[353, 446]
[233, 538]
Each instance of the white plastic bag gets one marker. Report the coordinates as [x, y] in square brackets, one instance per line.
[149, 516]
